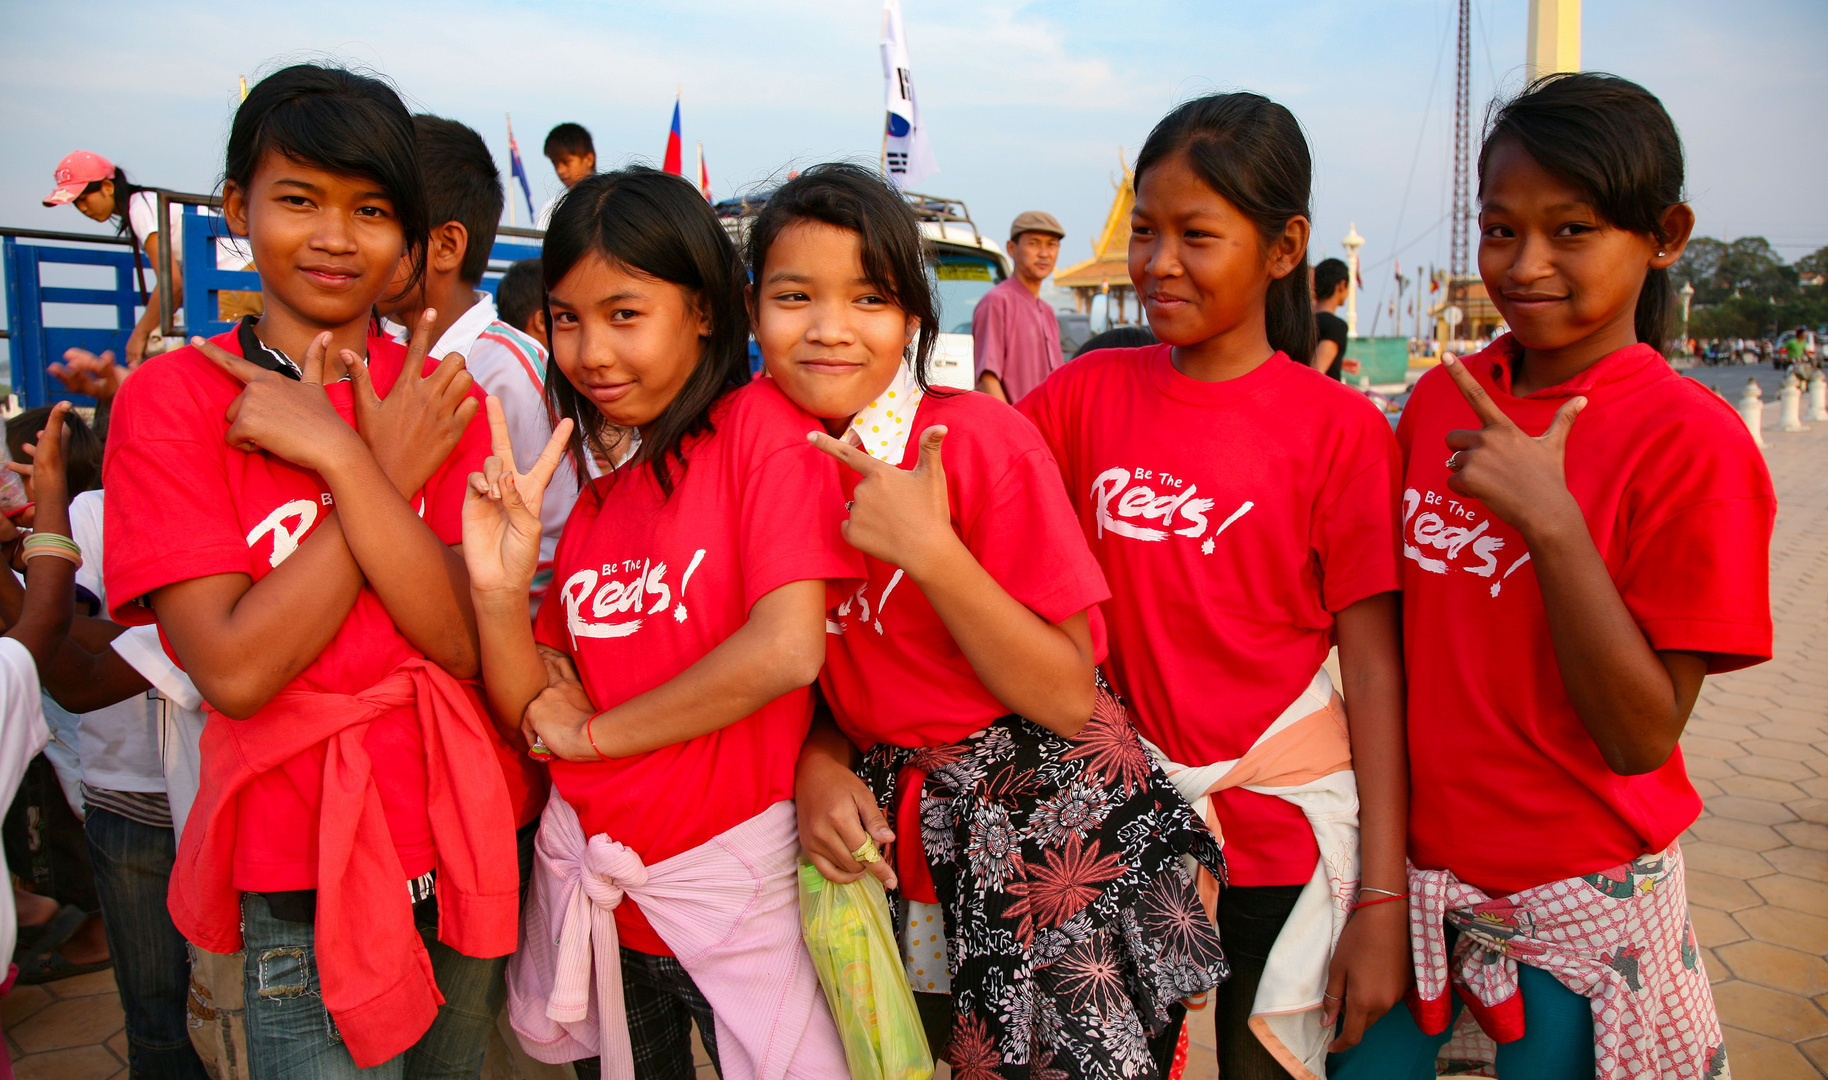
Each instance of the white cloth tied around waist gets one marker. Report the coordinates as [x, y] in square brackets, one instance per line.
[729, 911]
[1305, 757]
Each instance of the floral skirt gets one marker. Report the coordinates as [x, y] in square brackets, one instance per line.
[1072, 920]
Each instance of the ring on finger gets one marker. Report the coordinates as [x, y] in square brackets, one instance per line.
[539, 747]
[868, 853]
[1454, 464]
[1330, 997]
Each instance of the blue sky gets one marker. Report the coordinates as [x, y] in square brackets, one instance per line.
[1029, 104]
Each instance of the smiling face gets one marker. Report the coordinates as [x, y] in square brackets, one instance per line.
[326, 243]
[1199, 265]
[831, 339]
[1560, 274]
[625, 340]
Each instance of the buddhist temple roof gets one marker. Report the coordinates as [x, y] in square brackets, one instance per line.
[1110, 261]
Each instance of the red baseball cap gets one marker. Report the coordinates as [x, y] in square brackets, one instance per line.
[76, 172]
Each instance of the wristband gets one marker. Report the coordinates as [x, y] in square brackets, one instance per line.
[592, 736]
[1386, 892]
[61, 547]
[1379, 900]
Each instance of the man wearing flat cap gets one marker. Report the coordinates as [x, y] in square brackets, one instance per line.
[1016, 336]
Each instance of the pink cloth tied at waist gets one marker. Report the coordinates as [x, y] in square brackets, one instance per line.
[729, 910]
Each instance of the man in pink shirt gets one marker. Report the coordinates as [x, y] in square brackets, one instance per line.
[1015, 333]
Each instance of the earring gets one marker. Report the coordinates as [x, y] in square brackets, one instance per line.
[1660, 254]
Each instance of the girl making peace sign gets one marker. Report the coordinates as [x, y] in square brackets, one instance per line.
[1585, 537]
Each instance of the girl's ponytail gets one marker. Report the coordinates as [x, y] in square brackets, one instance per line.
[1250, 151]
[1613, 140]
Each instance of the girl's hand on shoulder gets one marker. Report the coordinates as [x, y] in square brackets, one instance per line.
[501, 512]
[1371, 970]
[415, 428]
[901, 516]
[838, 815]
[1519, 477]
[289, 418]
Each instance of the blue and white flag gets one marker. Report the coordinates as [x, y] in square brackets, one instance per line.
[907, 157]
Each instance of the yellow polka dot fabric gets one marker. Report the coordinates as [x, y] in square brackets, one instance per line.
[882, 427]
[923, 948]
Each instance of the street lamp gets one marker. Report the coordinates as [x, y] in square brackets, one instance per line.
[1353, 242]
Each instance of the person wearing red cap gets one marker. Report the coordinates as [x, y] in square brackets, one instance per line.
[101, 190]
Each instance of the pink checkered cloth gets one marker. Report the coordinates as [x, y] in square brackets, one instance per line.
[730, 911]
[1620, 937]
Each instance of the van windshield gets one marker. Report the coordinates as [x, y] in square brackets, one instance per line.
[963, 279]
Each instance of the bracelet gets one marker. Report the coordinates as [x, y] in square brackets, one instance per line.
[1380, 900]
[592, 736]
[1386, 892]
[61, 547]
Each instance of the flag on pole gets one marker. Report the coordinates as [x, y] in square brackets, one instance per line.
[518, 171]
[907, 157]
[704, 175]
[675, 150]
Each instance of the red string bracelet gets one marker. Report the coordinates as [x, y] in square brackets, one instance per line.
[1364, 903]
[590, 733]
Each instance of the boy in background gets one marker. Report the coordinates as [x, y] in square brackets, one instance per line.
[573, 157]
[520, 301]
[464, 193]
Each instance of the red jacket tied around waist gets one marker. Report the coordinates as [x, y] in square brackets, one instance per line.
[375, 973]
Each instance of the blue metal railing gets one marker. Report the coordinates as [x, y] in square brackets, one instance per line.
[34, 342]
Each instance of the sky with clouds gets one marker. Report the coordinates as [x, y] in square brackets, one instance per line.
[1030, 105]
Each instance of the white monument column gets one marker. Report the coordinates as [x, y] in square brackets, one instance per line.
[1554, 40]
[1353, 242]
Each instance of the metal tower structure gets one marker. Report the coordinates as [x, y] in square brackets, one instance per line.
[1458, 269]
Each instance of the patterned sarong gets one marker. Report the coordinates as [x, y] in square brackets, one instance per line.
[1620, 937]
[1071, 920]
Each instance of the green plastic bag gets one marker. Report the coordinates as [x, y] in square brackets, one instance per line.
[852, 943]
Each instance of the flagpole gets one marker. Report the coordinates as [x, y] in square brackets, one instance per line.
[513, 220]
[882, 160]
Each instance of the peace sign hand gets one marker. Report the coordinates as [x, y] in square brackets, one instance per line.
[419, 423]
[292, 419]
[1518, 477]
[900, 516]
[501, 510]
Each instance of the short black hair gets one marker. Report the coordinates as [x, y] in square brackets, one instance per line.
[1118, 337]
[1612, 140]
[461, 185]
[568, 139]
[520, 294]
[894, 254]
[82, 454]
[339, 121]
[1329, 275]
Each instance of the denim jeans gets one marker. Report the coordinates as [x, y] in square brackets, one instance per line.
[132, 873]
[291, 1035]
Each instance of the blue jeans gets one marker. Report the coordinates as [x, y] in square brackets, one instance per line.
[291, 1034]
[132, 865]
[1557, 1042]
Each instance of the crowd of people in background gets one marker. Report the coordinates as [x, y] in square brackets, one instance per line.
[461, 650]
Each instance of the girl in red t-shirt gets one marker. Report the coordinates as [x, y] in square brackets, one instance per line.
[291, 533]
[1243, 507]
[1586, 536]
[684, 629]
[1040, 849]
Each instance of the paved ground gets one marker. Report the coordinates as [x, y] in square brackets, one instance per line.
[1757, 748]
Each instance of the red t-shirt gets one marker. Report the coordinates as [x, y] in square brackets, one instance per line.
[1233, 520]
[893, 673]
[645, 586]
[1508, 789]
[183, 504]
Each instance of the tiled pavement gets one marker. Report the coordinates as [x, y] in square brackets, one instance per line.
[1757, 748]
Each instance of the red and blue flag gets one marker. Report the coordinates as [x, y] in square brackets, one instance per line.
[675, 150]
[519, 171]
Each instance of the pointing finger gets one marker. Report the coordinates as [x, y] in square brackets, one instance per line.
[1557, 435]
[242, 370]
[1484, 407]
[860, 462]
